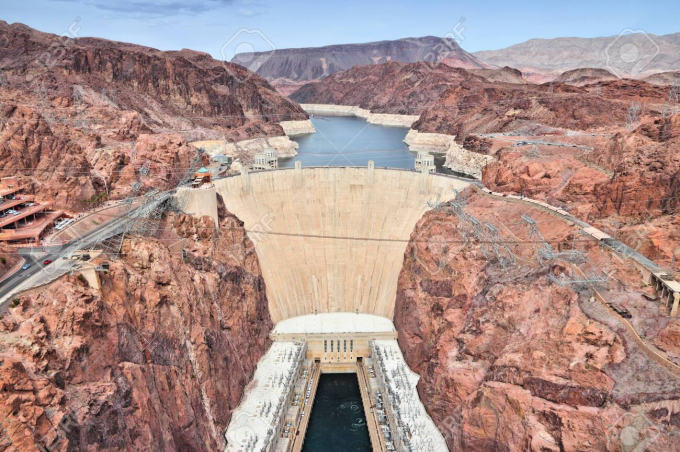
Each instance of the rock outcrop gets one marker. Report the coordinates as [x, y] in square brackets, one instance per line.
[504, 75]
[156, 361]
[629, 185]
[510, 360]
[8, 259]
[458, 158]
[664, 78]
[585, 76]
[245, 150]
[294, 128]
[646, 165]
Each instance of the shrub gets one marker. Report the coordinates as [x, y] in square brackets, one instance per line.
[3, 260]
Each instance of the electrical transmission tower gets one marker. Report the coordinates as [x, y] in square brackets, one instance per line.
[45, 111]
[577, 284]
[633, 115]
[505, 259]
[533, 152]
[435, 205]
[112, 245]
[180, 201]
[490, 241]
[544, 251]
[671, 106]
[77, 95]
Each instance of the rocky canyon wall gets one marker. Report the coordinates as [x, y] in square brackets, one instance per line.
[383, 119]
[512, 361]
[156, 361]
[79, 117]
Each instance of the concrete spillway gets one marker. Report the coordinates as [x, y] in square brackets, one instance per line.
[314, 224]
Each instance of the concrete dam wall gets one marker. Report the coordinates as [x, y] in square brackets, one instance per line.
[346, 260]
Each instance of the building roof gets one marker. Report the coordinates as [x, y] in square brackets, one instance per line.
[203, 170]
[403, 382]
[255, 420]
[31, 231]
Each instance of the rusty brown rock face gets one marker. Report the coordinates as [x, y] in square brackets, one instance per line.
[76, 115]
[157, 361]
[511, 361]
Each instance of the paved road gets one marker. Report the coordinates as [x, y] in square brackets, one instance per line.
[33, 256]
[40, 274]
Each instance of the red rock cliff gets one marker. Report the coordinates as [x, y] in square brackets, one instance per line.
[156, 361]
[74, 112]
[511, 361]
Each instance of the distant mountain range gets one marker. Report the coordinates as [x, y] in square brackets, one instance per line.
[634, 55]
[287, 69]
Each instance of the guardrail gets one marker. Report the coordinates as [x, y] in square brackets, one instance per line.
[406, 170]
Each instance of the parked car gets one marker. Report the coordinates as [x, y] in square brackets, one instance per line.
[26, 266]
[47, 261]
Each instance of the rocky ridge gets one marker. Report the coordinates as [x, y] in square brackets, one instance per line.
[457, 102]
[545, 59]
[80, 107]
[585, 76]
[627, 186]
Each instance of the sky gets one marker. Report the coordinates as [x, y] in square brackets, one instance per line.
[225, 27]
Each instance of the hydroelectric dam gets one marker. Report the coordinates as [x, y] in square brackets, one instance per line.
[331, 243]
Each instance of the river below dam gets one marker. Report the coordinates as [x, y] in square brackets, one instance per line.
[338, 422]
[350, 141]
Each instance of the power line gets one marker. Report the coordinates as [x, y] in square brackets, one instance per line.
[377, 239]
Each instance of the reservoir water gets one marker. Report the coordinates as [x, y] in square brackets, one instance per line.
[338, 422]
[350, 141]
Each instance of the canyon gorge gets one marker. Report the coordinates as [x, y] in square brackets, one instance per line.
[509, 298]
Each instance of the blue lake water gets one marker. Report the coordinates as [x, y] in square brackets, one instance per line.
[350, 141]
[338, 422]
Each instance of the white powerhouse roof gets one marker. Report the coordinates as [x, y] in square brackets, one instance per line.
[424, 435]
[256, 418]
[334, 322]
